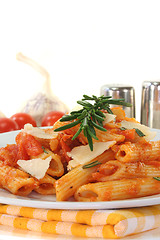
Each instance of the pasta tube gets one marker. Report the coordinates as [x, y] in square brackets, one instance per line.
[109, 136]
[111, 170]
[118, 189]
[56, 167]
[46, 185]
[67, 184]
[133, 152]
[114, 170]
[16, 181]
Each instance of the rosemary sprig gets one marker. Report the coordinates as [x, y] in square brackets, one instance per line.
[44, 149]
[90, 116]
[123, 128]
[139, 132]
[92, 164]
[157, 178]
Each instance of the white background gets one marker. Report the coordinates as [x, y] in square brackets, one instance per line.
[82, 44]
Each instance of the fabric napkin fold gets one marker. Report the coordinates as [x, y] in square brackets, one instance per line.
[83, 223]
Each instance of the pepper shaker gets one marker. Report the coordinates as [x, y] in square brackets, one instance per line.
[150, 104]
[117, 91]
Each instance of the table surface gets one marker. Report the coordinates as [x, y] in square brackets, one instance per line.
[18, 234]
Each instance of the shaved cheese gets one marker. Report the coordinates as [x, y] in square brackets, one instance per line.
[38, 132]
[36, 167]
[109, 118]
[83, 154]
[149, 135]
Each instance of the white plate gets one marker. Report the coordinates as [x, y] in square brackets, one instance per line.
[38, 201]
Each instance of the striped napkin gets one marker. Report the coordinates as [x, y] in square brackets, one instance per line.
[83, 223]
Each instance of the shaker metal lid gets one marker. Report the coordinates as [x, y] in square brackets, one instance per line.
[116, 87]
[117, 91]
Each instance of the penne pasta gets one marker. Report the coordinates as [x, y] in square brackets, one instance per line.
[46, 185]
[16, 181]
[56, 167]
[114, 170]
[49, 143]
[111, 170]
[67, 184]
[141, 151]
[117, 190]
[119, 112]
[109, 136]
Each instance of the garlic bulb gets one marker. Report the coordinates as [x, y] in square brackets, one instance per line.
[44, 101]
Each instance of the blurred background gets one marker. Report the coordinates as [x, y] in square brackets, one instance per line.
[82, 44]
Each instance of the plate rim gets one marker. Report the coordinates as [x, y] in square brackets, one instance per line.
[73, 205]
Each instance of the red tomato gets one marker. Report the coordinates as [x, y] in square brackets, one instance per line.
[7, 124]
[27, 146]
[32, 146]
[22, 118]
[22, 154]
[50, 118]
[8, 154]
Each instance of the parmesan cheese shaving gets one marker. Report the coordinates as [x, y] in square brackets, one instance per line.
[82, 154]
[149, 135]
[108, 118]
[38, 132]
[36, 167]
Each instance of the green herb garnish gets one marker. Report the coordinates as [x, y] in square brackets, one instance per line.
[157, 178]
[44, 150]
[139, 132]
[92, 164]
[123, 128]
[90, 116]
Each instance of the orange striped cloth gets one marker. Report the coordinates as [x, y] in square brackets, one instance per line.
[83, 223]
